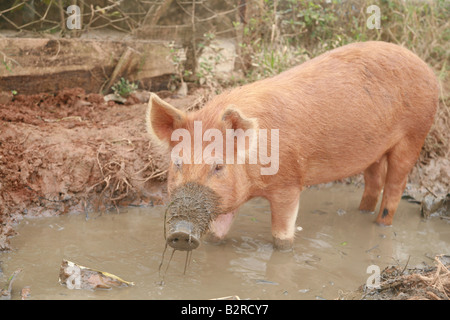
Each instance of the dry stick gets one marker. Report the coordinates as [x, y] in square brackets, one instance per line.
[148, 13]
[42, 18]
[6, 58]
[98, 161]
[61, 13]
[122, 64]
[149, 164]
[155, 175]
[110, 23]
[107, 179]
[77, 33]
[405, 265]
[433, 295]
[161, 9]
[128, 17]
[56, 55]
[10, 21]
[432, 193]
[11, 8]
[91, 20]
[438, 279]
[5, 294]
[194, 47]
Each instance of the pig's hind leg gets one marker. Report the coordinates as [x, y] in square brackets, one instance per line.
[374, 179]
[400, 159]
[284, 205]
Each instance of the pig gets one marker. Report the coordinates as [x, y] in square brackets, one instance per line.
[364, 107]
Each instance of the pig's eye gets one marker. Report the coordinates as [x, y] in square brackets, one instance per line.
[178, 163]
[218, 167]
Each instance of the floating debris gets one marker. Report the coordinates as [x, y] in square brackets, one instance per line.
[262, 281]
[318, 211]
[303, 290]
[25, 293]
[75, 276]
[227, 298]
[5, 293]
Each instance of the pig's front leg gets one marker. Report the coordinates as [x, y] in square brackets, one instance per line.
[284, 204]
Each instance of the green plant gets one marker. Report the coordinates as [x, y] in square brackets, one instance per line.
[124, 87]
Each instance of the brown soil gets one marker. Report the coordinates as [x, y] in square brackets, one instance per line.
[74, 152]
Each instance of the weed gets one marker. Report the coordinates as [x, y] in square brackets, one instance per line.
[124, 87]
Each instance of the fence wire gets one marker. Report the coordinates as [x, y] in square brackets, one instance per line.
[149, 19]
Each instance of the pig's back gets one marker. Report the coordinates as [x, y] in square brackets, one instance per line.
[343, 109]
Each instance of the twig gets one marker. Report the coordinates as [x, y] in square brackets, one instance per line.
[61, 15]
[432, 193]
[405, 265]
[194, 46]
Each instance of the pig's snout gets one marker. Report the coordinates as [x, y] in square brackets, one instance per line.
[182, 237]
[188, 215]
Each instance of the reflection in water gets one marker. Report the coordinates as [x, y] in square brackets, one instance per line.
[331, 253]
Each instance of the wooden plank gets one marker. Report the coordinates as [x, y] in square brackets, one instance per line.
[29, 65]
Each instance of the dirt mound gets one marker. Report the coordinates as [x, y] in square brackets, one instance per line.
[72, 151]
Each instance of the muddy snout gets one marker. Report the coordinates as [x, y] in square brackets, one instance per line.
[190, 210]
[182, 236]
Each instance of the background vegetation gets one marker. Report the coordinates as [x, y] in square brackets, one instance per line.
[285, 33]
[271, 35]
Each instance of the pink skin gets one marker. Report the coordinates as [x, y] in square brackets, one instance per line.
[219, 227]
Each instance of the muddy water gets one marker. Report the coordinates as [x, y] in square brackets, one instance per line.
[331, 253]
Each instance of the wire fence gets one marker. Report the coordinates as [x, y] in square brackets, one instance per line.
[149, 19]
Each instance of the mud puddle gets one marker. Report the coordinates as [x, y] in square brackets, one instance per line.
[333, 249]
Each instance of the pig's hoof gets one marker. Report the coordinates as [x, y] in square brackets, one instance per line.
[384, 218]
[383, 223]
[283, 245]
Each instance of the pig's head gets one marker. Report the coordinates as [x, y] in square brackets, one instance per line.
[204, 189]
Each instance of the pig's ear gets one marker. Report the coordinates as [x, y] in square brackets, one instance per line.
[162, 119]
[234, 119]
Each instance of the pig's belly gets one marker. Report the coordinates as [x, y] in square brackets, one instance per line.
[331, 167]
[341, 154]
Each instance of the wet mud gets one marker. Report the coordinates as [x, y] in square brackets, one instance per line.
[334, 246]
[74, 152]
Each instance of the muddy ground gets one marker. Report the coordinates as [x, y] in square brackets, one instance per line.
[75, 152]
